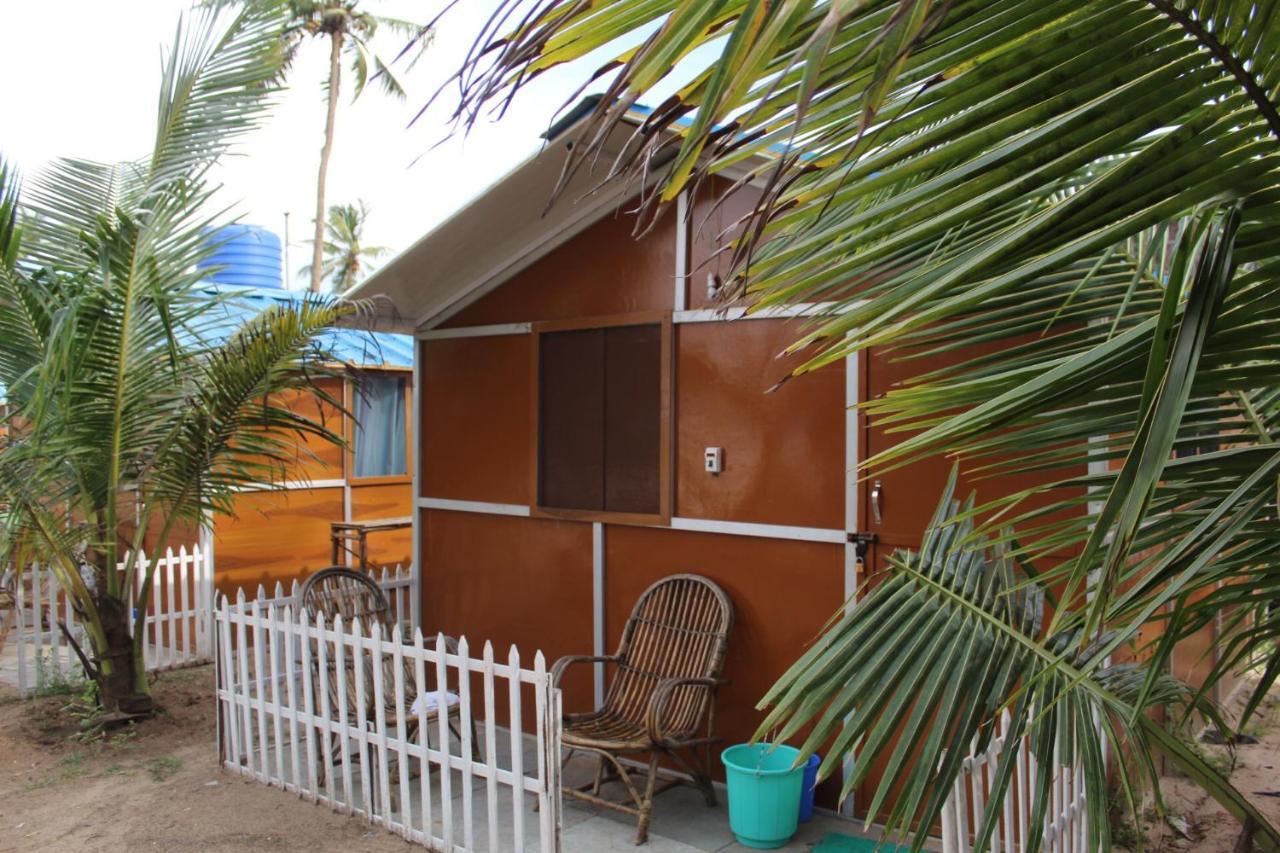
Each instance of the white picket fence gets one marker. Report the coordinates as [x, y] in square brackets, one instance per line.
[287, 718]
[1065, 827]
[178, 628]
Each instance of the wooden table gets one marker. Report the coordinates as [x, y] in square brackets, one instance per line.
[352, 537]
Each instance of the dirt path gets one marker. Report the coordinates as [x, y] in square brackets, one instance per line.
[157, 788]
[1196, 821]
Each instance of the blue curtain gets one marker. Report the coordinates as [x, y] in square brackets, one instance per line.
[380, 433]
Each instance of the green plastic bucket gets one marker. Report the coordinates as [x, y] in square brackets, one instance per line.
[764, 793]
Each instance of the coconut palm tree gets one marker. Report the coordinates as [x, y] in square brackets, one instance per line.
[1089, 190]
[346, 259]
[124, 420]
[350, 27]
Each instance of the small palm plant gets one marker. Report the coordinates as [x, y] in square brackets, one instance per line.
[125, 421]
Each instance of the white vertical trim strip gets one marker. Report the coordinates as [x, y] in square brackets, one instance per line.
[415, 450]
[597, 606]
[852, 391]
[681, 301]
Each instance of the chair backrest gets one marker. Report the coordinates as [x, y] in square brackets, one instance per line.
[339, 591]
[679, 628]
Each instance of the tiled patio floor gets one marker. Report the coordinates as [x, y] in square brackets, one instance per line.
[682, 822]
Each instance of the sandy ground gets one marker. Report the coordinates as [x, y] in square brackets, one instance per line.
[1196, 822]
[156, 788]
[159, 788]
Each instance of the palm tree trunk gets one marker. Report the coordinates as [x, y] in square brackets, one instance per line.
[335, 77]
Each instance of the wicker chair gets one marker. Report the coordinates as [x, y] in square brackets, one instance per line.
[339, 591]
[661, 701]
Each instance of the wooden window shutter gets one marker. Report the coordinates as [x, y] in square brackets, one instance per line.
[632, 418]
[600, 419]
[571, 420]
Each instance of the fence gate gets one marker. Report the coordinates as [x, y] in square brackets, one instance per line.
[454, 752]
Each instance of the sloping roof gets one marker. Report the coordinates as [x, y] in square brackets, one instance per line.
[500, 232]
[355, 347]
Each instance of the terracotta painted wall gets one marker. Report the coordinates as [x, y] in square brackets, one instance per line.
[783, 451]
[782, 591]
[509, 580]
[475, 419]
[602, 271]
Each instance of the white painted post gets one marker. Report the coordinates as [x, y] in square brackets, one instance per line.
[340, 671]
[490, 747]
[292, 634]
[545, 760]
[442, 730]
[424, 734]
[273, 667]
[185, 580]
[356, 635]
[242, 648]
[309, 702]
[517, 747]
[331, 781]
[380, 720]
[402, 743]
[464, 725]
[230, 712]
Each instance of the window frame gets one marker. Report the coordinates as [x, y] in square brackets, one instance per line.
[663, 320]
[349, 426]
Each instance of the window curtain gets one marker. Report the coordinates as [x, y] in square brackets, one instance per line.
[380, 429]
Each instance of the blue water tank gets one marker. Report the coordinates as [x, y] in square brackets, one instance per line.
[246, 255]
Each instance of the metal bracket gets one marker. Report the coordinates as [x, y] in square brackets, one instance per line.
[861, 542]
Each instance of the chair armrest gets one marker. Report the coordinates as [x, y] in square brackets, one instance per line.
[662, 695]
[557, 669]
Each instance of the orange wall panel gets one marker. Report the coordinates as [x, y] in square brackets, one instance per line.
[604, 270]
[783, 592]
[509, 580]
[475, 412]
[713, 215]
[276, 536]
[393, 547]
[783, 451]
[316, 459]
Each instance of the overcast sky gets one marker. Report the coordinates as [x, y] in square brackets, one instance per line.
[89, 72]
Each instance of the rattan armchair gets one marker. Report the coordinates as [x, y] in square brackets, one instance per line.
[661, 700]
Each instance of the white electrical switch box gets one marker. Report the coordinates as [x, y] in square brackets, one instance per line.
[713, 459]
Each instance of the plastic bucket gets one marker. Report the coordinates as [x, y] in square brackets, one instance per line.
[764, 793]
[806, 792]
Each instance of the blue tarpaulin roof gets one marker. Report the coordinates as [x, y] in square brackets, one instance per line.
[355, 347]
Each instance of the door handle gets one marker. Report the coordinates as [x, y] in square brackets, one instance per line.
[877, 515]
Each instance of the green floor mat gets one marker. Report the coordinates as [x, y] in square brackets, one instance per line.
[834, 842]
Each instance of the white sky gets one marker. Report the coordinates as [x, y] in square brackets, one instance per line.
[89, 72]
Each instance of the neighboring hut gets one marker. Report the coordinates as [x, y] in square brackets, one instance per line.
[282, 533]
